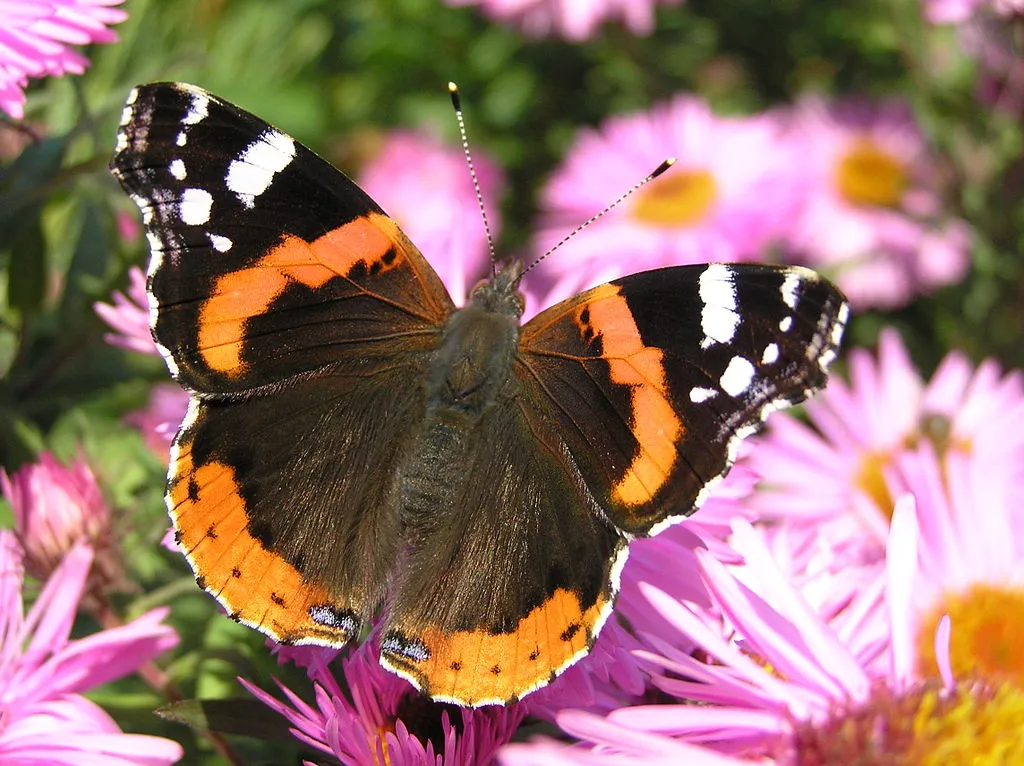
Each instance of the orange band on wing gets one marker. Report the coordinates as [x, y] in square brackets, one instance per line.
[240, 295]
[477, 667]
[655, 424]
[255, 586]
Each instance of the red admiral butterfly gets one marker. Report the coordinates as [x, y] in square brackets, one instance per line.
[357, 445]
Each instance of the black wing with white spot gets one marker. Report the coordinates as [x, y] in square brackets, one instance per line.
[656, 377]
[262, 253]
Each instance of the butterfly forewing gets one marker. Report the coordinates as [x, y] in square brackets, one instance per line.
[654, 377]
[266, 261]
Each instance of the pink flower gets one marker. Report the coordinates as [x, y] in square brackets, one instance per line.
[950, 11]
[427, 188]
[970, 561]
[873, 220]
[43, 672]
[129, 228]
[129, 316]
[379, 718]
[159, 420]
[55, 507]
[959, 11]
[668, 560]
[572, 19]
[35, 36]
[835, 481]
[731, 190]
[781, 685]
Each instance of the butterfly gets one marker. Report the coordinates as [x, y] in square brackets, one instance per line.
[356, 445]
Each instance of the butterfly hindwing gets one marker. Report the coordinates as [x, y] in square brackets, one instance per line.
[508, 579]
[285, 503]
[263, 254]
[654, 377]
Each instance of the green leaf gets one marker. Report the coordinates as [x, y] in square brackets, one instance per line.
[26, 284]
[88, 262]
[24, 188]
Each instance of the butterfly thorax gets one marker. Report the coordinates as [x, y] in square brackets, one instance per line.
[469, 380]
[473, 361]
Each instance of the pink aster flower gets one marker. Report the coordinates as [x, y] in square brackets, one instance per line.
[129, 316]
[44, 719]
[834, 481]
[668, 560]
[573, 19]
[380, 718]
[873, 220]
[35, 36]
[781, 685]
[731, 190]
[427, 188]
[970, 563]
[56, 507]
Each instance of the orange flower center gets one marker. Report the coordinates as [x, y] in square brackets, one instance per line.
[677, 199]
[868, 175]
[987, 634]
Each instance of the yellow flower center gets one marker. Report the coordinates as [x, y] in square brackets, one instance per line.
[870, 478]
[870, 475]
[677, 199]
[987, 634]
[927, 726]
[867, 175]
[982, 726]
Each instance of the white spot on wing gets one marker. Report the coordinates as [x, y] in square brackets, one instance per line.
[770, 354]
[195, 206]
[253, 172]
[789, 288]
[737, 376]
[840, 325]
[181, 139]
[718, 316]
[786, 323]
[177, 168]
[191, 416]
[698, 394]
[198, 109]
[156, 246]
[220, 244]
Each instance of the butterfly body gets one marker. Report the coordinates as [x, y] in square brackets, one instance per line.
[357, 447]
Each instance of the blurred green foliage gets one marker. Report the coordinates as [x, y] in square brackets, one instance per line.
[337, 73]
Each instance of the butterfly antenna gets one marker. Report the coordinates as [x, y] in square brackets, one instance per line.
[665, 165]
[453, 90]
